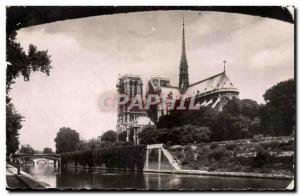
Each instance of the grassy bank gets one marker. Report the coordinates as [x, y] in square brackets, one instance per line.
[273, 155]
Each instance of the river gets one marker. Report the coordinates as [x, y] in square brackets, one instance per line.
[103, 179]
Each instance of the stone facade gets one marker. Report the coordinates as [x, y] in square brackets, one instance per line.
[132, 86]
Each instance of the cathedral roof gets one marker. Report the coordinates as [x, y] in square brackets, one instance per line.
[175, 91]
[218, 82]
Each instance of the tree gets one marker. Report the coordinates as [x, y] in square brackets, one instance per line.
[183, 135]
[82, 145]
[202, 117]
[38, 152]
[19, 63]
[93, 144]
[149, 135]
[122, 136]
[250, 108]
[278, 114]
[201, 134]
[177, 135]
[255, 126]
[245, 107]
[26, 149]
[13, 124]
[109, 136]
[230, 127]
[47, 151]
[66, 140]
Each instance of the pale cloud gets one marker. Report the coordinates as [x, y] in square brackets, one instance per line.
[89, 53]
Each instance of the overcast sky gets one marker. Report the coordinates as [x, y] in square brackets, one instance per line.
[87, 55]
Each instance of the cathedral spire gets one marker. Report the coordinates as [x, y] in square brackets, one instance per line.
[183, 68]
[183, 54]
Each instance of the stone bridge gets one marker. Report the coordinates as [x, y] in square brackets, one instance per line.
[37, 157]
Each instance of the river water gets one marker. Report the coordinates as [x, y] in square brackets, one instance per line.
[103, 179]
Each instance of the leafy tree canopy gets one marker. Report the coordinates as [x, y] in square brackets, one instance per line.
[234, 122]
[26, 149]
[175, 136]
[278, 114]
[245, 107]
[66, 140]
[47, 150]
[21, 63]
[122, 136]
[91, 144]
[109, 136]
[13, 124]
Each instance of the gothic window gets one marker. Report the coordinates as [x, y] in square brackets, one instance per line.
[135, 87]
[130, 89]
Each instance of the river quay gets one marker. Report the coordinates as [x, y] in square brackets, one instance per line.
[22, 180]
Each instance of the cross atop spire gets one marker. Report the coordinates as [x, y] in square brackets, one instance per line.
[224, 65]
[183, 68]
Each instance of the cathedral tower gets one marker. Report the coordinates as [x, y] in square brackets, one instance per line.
[183, 69]
[131, 86]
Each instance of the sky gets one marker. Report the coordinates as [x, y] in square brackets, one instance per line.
[88, 54]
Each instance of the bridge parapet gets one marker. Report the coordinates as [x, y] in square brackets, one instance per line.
[47, 156]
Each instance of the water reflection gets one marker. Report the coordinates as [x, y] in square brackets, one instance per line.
[101, 179]
[43, 172]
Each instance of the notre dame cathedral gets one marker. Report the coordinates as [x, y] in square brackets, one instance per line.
[214, 91]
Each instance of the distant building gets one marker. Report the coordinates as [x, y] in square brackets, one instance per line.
[131, 86]
[214, 91]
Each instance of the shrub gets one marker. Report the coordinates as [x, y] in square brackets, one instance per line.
[213, 146]
[261, 157]
[216, 154]
[257, 137]
[231, 146]
[287, 146]
[211, 168]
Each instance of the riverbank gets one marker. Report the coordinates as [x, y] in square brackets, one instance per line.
[22, 181]
[273, 156]
[257, 158]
